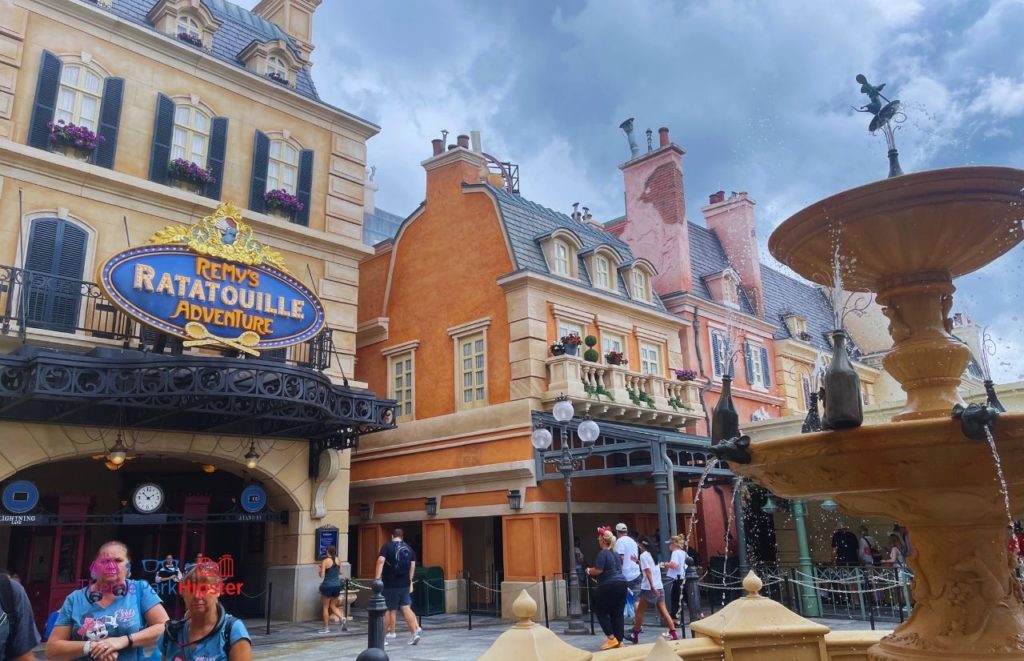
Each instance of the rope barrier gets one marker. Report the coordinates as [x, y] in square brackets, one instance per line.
[253, 596]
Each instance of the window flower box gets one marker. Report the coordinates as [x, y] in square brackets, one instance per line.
[189, 176]
[281, 203]
[190, 39]
[278, 78]
[615, 358]
[686, 375]
[76, 142]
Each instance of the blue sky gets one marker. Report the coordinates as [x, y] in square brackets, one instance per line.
[759, 94]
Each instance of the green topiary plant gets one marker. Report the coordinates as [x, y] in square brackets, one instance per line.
[590, 340]
[591, 356]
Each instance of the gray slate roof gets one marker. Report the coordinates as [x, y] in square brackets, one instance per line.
[239, 28]
[380, 226]
[526, 222]
[784, 295]
[707, 257]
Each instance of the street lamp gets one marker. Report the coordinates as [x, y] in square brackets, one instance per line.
[515, 500]
[568, 462]
[829, 505]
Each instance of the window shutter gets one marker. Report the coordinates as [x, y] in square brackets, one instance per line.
[42, 245]
[305, 187]
[163, 131]
[716, 352]
[215, 158]
[110, 119]
[55, 248]
[750, 362]
[766, 368]
[46, 101]
[260, 160]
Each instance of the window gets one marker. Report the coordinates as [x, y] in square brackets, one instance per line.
[191, 137]
[729, 292]
[650, 359]
[640, 286]
[719, 353]
[602, 271]
[78, 101]
[806, 383]
[566, 327]
[282, 167]
[472, 371]
[612, 342]
[275, 67]
[758, 367]
[188, 25]
[561, 261]
[865, 394]
[401, 389]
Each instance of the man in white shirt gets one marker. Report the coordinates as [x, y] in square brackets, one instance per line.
[652, 592]
[629, 553]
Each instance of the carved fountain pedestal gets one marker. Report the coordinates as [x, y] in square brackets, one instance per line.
[905, 239]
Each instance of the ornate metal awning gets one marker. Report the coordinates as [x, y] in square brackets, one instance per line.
[187, 393]
[631, 450]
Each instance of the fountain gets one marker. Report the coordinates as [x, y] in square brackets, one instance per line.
[906, 238]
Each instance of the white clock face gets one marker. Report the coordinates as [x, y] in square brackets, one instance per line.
[148, 498]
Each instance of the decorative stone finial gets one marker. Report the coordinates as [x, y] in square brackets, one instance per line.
[524, 607]
[752, 584]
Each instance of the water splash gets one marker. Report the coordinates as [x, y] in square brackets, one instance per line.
[999, 472]
[712, 462]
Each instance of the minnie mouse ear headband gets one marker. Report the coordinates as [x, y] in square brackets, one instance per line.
[601, 530]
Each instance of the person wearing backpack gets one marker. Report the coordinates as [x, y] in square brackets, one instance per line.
[18, 633]
[207, 632]
[396, 564]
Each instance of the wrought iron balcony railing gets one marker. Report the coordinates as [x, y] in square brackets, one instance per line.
[33, 300]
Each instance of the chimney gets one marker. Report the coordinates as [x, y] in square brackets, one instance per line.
[627, 127]
[370, 189]
[477, 145]
[448, 170]
[732, 220]
[655, 226]
[294, 17]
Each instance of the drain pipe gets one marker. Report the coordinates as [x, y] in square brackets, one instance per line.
[673, 531]
[700, 367]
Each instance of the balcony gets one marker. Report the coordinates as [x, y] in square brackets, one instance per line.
[58, 306]
[612, 392]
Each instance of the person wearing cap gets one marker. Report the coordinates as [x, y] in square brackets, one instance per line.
[652, 593]
[629, 553]
[676, 571]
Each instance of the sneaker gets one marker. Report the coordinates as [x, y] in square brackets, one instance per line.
[387, 644]
[610, 644]
[634, 637]
[672, 634]
[391, 636]
[324, 631]
[415, 638]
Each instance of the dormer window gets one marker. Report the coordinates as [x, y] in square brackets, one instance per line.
[602, 264]
[189, 21]
[602, 272]
[641, 286]
[276, 69]
[638, 276]
[724, 288]
[189, 30]
[560, 252]
[273, 59]
[797, 327]
[560, 265]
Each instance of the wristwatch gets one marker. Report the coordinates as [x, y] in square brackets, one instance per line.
[86, 648]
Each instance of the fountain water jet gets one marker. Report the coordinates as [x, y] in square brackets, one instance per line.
[906, 239]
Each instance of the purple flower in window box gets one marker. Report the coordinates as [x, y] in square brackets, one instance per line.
[278, 77]
[686, 375]
[190, 38]
[69, 135]
[186, 170]
[281, 199]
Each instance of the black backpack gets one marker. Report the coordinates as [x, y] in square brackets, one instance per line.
[8, 615]
[402, 561]
[176, 628]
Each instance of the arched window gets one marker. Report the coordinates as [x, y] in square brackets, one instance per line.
[602, 277]
[276, 67]
[187, 25]
[54, 265]
[191, 138]
[79, 96]
[282, 166]
[641, 286]
[561, 261]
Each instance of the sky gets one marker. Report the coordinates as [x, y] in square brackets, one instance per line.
[759, 94]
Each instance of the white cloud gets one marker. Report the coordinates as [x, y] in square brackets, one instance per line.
[1000, 96]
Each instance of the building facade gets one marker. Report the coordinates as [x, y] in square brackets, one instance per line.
[196, 104]
[462, 340]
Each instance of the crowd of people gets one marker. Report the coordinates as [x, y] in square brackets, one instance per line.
[851, 550]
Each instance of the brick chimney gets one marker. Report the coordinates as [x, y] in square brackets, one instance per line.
[732, 219]
[295, 17]
[655, 226]
[448, 170]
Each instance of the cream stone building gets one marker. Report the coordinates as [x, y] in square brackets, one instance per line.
[93, 405]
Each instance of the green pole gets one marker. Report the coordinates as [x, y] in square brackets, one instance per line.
[810, 604]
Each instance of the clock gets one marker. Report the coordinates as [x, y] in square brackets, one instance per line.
[148, 498]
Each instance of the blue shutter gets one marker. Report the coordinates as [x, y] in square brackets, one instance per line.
[215, 159]
[305, 187]
[716, 353]
[750, 364]
[258, 181]
[55, 261]
[163, 132]
[766, 368]
[110, 119]
[45, 103]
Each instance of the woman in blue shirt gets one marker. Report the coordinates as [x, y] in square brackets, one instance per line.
[208, 632]
[113, 617]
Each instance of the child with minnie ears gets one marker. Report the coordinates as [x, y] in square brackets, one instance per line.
[133, 615]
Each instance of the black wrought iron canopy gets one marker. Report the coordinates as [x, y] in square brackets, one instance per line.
[188, 393]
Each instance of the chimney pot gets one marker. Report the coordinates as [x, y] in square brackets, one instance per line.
[715, 198]
[438, 145]
[451, 147]
[463, 141]
[663, 137]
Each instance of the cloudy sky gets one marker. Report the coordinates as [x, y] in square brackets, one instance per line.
[759, 94]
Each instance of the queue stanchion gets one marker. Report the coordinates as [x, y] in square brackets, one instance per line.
[270, 596]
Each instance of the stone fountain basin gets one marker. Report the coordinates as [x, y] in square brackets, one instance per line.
[905, 469]
[953, 221]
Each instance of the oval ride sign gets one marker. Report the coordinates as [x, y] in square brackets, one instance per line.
[190, 291]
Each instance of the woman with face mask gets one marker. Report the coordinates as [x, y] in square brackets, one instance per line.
[113, 618]
[208, 632]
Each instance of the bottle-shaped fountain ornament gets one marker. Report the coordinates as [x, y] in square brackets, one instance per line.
[812, 422]
[725, 421]
[843, 405]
